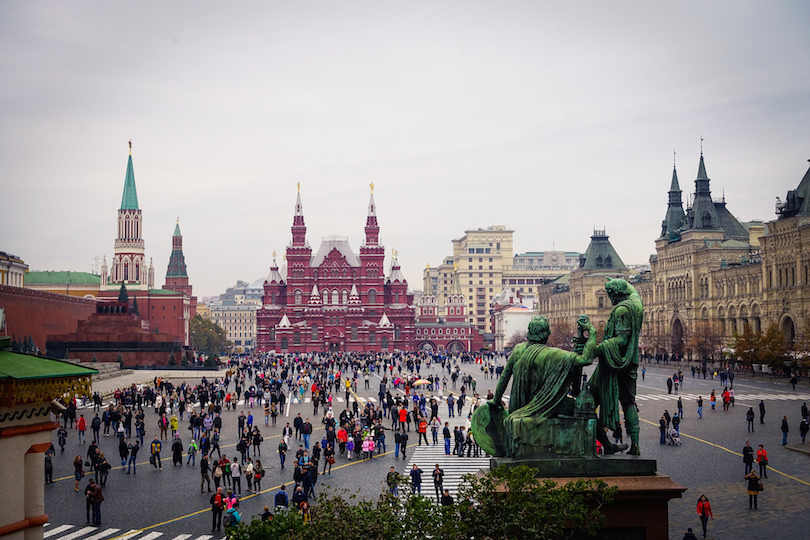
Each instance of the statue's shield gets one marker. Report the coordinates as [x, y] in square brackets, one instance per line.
[489, 430]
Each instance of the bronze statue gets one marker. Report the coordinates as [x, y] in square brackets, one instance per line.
[614, 380]
[543, 419]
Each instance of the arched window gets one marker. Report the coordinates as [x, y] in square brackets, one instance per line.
[325, 297]
[345, 296]
[354, 331]
[335, 298]
[284, 344]
[298, 296]
[297, 338]
[384, 342]
[372, 336]
[314, 331]
[372, 296]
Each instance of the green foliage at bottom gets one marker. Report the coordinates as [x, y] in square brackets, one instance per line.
[508, 503]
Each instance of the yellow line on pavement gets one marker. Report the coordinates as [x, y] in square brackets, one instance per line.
[730, 452]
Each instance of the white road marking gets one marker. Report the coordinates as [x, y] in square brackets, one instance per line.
[57, 530]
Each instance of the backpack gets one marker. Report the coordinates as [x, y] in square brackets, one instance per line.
[227, 519]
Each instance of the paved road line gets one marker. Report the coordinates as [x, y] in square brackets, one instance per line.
[76, 534]
[181, 537]
[151, 536]
[107, 532]
[57, 530]
[731, 452]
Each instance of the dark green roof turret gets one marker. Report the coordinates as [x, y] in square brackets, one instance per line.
[177, 228]
[600, 254]
[129, 201]
[702, 169]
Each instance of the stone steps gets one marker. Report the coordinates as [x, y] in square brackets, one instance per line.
[106, 370]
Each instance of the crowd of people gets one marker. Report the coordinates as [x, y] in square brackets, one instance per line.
[259, 386]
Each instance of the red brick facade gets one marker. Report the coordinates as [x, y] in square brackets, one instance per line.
[38, 314]
[336, 300]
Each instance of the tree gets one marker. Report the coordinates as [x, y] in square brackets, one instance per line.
[515, 339]
[758, 348]
[748, 347]
[123, 297]
[135, 305]
[207, 337]
[706, 339]
[775, 349]
[561, 334]
[507, 503]
[172, 361]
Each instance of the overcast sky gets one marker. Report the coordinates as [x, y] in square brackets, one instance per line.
[550, 118]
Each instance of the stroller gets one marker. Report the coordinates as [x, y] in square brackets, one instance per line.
[673, 437]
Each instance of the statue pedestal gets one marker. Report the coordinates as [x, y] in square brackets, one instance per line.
[640, 509]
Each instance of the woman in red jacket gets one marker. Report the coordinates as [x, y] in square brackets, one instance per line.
[762, 459]
[704, 510]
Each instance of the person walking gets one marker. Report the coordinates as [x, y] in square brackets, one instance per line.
[804, 427]
[96, 498]
[236, 476]
[762, 459]
[761, 411]
[78, 473]
[704, 510]
[154, 448]
[403, 445]
[282, 451]
[258, 474]
[748, 457]
[754, 487]
[133, 455]
[204, 476]
[217, 506]
[328, 457]
[416, 479]
[689, 534]
[438, 479]
[749, 416]
[281, 500]
[248, 470]
[81, 428]
[785, 429]
[662, 428]
[700, 406]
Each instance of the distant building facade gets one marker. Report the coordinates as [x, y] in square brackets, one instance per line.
[235, 312]
[12, 270]
[486, 266]
[446, 329]
[709, 268]
[336, 300]
[510, 317]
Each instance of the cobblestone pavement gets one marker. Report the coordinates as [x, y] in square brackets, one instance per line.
[168, 504]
